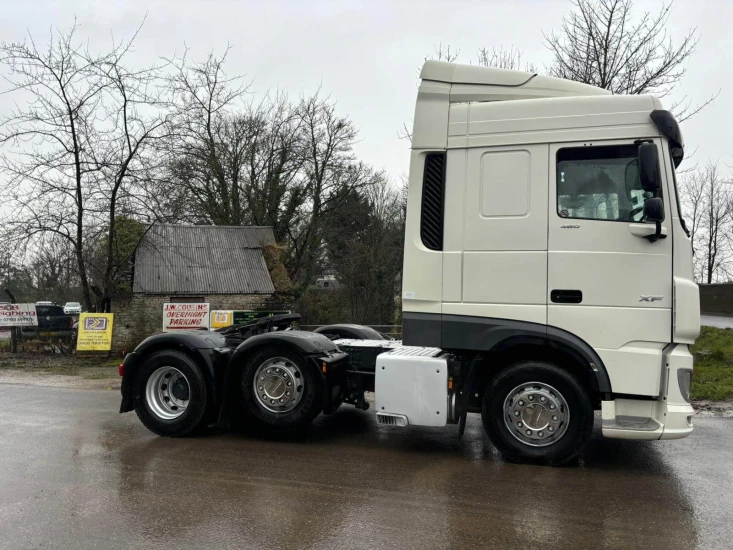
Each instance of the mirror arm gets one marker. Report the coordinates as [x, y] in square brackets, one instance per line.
[657, 235]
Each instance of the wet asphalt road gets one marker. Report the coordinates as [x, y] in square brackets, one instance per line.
[76, 474]
[716, 321]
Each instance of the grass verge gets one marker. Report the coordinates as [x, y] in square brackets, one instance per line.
[713, 375]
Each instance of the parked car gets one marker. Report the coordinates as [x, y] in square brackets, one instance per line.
[52, 321]
[72, 308]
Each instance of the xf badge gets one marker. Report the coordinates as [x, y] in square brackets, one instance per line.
[650, 298]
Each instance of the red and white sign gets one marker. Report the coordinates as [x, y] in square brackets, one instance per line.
[185, 316]
[18, 315]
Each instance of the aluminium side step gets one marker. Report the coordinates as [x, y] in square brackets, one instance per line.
[631, 419]
[632, 427]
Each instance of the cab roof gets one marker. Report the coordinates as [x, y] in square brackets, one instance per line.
[475, 83]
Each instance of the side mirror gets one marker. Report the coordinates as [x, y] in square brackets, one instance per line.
[651, 180]
[654, 209]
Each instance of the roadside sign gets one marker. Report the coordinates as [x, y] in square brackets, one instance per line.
[95, 332]
[18, 315]
[222, 318]
[185, 316]
[244, 316]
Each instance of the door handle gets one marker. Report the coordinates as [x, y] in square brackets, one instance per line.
[566, 296]
[645, 230]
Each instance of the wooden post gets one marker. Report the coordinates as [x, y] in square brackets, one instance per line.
[13, 330]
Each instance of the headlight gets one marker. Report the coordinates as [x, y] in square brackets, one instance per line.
[684, 378]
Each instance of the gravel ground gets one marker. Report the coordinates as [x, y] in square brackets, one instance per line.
[704, 407]
[61, 371]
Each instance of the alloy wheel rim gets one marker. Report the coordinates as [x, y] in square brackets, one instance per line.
[536, 414]
[278, 385]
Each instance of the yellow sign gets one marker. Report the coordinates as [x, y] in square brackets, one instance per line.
[95, 332]
[221, 318]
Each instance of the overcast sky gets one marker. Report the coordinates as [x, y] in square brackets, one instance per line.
[365, 54]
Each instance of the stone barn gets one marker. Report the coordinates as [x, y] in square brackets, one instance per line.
[229, 267]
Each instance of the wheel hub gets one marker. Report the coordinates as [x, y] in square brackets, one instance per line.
[278, 385]
[167, 393]
[536, 414]
[179, 389]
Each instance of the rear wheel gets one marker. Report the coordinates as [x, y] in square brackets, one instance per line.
[169, 394]
[535, 412]
[280, 391]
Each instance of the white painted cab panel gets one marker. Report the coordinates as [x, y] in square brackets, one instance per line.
[422, 277]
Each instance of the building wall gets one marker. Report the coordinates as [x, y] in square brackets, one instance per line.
[142, 315]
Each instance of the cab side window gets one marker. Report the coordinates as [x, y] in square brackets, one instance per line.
[600, 183]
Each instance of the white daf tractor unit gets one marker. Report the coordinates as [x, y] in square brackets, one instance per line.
[547, 275]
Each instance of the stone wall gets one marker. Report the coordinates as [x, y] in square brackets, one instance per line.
[142, 315]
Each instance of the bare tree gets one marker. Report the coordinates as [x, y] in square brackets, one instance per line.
[231, 161]
[48, 171]
[132, 123]
[207, 154]
[443, 52]
[504, 58]
[602, 43]
[692, 196]
[707, 200]
[717, 198]
[77, 142]
[276, 162]
[329, 170]
[54, 270]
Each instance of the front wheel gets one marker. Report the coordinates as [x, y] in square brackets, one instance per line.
[535, 412]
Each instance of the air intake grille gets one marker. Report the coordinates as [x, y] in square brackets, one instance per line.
[392, 419]
[433, 189]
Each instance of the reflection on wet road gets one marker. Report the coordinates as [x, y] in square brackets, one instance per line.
[76, 474]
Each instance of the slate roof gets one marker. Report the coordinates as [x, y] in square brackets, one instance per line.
[202, 259]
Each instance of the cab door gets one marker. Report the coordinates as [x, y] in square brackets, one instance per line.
[609, 283]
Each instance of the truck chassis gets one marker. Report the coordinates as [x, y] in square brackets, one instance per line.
[267, 376]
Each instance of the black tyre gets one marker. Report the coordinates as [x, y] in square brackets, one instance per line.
[170, 394]
[535, 412]
[280, 391]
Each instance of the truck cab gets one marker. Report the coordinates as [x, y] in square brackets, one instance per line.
[532, 229]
